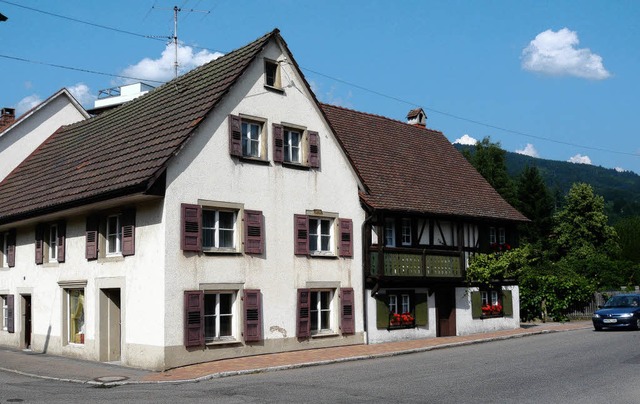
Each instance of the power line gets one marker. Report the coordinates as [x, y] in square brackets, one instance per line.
[79, 69]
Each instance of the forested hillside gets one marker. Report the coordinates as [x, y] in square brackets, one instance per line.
[621, 190]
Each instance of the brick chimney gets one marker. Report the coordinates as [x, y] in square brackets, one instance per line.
[7, 117]
[417, 117]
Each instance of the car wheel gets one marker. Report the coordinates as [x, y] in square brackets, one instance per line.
[637, 324]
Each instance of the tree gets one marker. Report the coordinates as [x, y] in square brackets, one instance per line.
[582, 223]
[489, 160]
[628, 230]
[536, 203]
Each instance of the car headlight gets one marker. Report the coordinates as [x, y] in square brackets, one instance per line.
[596, 315]
[626, 315]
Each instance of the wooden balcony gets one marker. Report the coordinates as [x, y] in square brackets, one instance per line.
[417, 265]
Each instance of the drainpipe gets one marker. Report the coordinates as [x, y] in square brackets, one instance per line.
[367, 220]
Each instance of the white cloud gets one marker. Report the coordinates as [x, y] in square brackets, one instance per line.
[162, 69]
[27, 103]
[466, 140]
[620, 170]
[82, 94]
[580, 159]
[555, 54]
[528, 150]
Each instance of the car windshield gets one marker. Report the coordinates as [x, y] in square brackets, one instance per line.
[623, 301]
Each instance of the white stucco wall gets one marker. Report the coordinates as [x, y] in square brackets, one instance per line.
[205, 170]
[466, 325]
[21, 140]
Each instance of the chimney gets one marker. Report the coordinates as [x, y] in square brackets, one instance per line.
[417, 117]
[7, 117]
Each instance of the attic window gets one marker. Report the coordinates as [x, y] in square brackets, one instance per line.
[272, 74]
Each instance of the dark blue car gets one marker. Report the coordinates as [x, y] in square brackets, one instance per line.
[620, 311]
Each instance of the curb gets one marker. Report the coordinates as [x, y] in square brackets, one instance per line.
[220, 375]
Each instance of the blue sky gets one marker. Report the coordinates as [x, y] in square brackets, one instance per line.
[554, 79]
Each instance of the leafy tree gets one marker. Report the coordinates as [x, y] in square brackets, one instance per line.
[582, 223]
[536, 203]
[628, 230]
[489, 160]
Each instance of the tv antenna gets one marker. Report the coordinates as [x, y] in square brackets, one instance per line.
[174, 38]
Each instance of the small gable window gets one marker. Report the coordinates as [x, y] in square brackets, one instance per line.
[272, 74]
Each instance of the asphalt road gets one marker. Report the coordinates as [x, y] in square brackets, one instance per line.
[569, 367]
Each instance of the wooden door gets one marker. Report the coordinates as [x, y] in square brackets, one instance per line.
[445, 312]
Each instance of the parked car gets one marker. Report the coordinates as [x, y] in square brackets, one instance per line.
[620, 311]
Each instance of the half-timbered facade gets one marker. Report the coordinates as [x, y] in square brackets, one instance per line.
[428, 212]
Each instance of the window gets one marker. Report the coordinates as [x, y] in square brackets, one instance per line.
[492, 235]
[406, 232]
[247, 138]
[50, 242]
[219, 230]
[272, 74]
[315, 235]
[213, 227]
[491, 303]
[5, 312]
[292, 140]
[502, 238]
[218, 316]
[211, 316]
[401, 309]
[8, 249]
[389, 232]
[75, 316]
[110, 235]
[314, 312]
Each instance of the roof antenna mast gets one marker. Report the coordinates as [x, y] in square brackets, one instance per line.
[176, 10]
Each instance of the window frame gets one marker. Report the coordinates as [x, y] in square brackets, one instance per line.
[5, 313]
[233, 327]
[108, 233]
[287, 147]
[272, 68]
[52, 243]
[390, 316]
[318, 313]
[4, 251]
[77, 338]
[481, 298]
[317, 236]
[389, 232]
[217, 230]
[406, 233]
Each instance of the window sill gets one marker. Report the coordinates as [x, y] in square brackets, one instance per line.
[111, 258]
[278, 90]
[254, 160]
[50, 264]
[221, 251]
[487, 316]
[325, 334]
[322, 255]
[212, 344]
[295, 166]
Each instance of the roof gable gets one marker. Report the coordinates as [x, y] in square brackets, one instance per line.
[123, 150]
[413, 169]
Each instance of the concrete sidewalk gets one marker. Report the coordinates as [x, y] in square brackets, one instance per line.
[80, 371]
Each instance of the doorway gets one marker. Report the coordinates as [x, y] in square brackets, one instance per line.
[110, 325]
[445, 312]
[26, 321]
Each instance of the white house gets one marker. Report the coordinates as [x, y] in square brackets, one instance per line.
[20, 137]
[215, 216]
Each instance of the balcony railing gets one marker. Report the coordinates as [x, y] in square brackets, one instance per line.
[417, 265]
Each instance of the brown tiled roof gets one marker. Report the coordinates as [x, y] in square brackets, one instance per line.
[124, 150]
[414, 169]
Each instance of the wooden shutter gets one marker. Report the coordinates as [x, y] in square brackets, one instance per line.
[303, 319]
[39, 243]
[190, 234]
[252, 316]
[382, 312]
[253, 232]
[476, 305]
[347, 319]
[278, 143]
[193, 318]
[10, 314]
[346, 232]
[62, 238]
[11, 247]
[422, 309]
[507, 303]
[314, 149]
[301, 234]
[235, 136]
[91, 236]
[128, 232]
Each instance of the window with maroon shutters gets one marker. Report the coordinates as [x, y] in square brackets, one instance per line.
[314, 150]
[322, 235]
[110, 235]
[247, 138]
[10, 314]
[345, 227]
[303, 315]
[10, 246]
[50, 241]
[253, 228]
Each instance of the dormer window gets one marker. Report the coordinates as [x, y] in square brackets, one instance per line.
[272, 74]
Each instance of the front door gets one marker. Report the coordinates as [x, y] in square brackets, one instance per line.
[445, 312]
[110, 325]
[26, 323]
